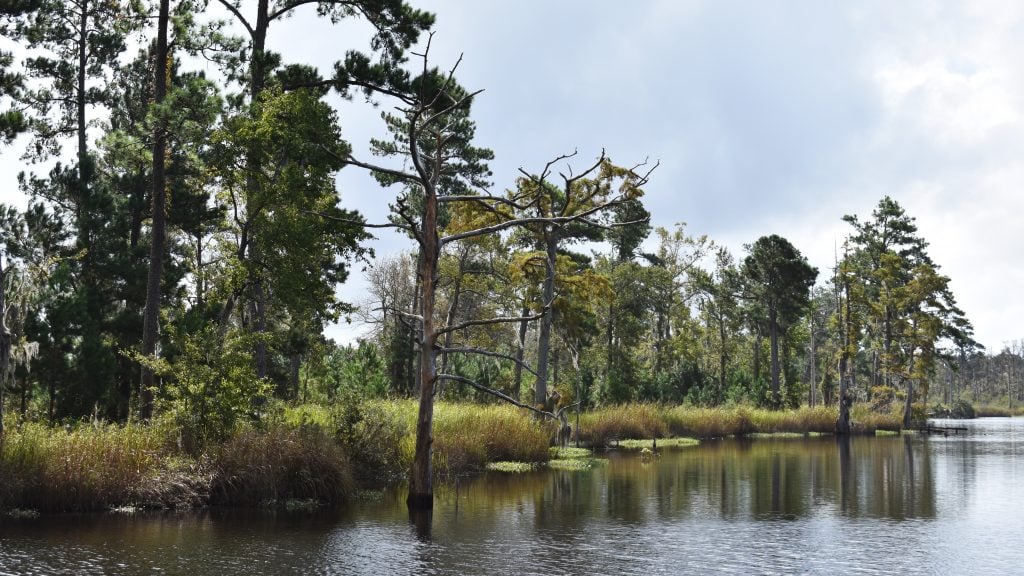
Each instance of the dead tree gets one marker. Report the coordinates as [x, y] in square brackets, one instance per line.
[431, 134]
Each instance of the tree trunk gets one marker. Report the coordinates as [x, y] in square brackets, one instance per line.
[5, 343]
[421, 490]
[813, 400]
[520, 352]
[908, 408]
[151, 315]
[417, 308]
[843, 422]
[296, 364]
[260, 315]
[773, 333]
[544, 340]
[723, 357]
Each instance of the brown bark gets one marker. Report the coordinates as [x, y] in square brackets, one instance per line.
[421, 490]
[544, 339]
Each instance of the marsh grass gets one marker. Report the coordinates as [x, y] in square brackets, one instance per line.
[697, 422]
[642, 444]
[467, 437]
[990, 411]
[280, 464]
[867, 421]
[94, 466]
[626, 421]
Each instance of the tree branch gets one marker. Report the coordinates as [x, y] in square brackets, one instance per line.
[485, 352]
[489, 321]
[496, 393]
[245, 23]
[355, 222]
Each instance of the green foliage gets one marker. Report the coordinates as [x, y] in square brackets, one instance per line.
[962, 409]
[211, 387]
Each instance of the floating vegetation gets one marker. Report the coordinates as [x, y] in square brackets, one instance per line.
[512, 467]
[639, 444]
[573, 459]
[575, 464]
[570, 452]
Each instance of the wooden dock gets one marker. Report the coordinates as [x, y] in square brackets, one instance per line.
[944, 430]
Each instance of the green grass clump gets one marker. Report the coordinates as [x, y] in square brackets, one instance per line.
[512, 467]
[573, 459]
[569, 452]
[697, 422]
[254, 467]
[612, 423]
[574, 464]
[466, 437]
[639, 444]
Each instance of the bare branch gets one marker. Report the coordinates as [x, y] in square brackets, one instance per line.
[496, 393]
[489, 321]
[522, 221]
[482, 198]
[355, 222]
[245, 23]
[389, 171]
[485, 352]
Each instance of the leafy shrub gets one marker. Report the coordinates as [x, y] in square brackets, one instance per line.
[962, 409]
[211, 387]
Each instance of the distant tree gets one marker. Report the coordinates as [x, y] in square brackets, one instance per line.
[779, 279]
[907, 305]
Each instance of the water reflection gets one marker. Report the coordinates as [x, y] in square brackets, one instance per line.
[803, 505]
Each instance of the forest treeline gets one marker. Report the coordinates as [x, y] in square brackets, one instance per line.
[181, 252]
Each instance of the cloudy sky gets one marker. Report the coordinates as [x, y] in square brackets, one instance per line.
[767, 117]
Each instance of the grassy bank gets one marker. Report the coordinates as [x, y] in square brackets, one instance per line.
[321, 454]
[605, 426]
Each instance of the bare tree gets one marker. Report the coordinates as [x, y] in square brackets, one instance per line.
[431, 133]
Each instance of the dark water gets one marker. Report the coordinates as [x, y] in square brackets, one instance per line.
[889, 505]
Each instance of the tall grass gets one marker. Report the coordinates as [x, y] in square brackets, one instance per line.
[467, 437]
[605, 425]
[699, 422]
[280, 464]
[990, 411]
[91, 467]
[622, 422]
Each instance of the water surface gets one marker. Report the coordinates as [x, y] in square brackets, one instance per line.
[901, 504]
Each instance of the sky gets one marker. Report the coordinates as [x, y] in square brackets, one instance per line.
[766, 117]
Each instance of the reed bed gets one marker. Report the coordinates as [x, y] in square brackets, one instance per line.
[281, 465]
[623, 422]
[91, 467]
[467, 437]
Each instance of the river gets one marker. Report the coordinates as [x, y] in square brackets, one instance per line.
[889, 505]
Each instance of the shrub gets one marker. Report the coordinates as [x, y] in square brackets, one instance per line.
[962, 409]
